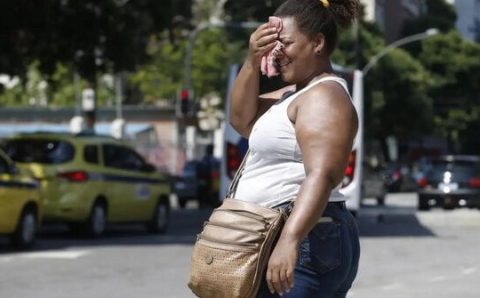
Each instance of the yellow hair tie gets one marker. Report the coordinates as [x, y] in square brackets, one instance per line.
[325, 3]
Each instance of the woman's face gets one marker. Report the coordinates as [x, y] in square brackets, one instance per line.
[299, 62]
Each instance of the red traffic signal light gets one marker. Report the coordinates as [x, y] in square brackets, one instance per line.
[185, 101]
[185, 95]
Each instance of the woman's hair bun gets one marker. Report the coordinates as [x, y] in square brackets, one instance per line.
[344, 11]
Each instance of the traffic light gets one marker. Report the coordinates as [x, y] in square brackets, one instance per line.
[185, 102]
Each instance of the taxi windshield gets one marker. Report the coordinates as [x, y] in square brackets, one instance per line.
[43, 151]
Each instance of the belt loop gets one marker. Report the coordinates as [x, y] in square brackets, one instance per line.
[339, 204]
[290, 207]
[287, 207]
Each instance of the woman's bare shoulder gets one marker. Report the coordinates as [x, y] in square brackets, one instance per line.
[325, 106]
[327, 93]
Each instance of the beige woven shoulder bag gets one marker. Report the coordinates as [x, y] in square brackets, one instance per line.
[232, 251]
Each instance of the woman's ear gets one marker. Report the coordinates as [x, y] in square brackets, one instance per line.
[319, 44]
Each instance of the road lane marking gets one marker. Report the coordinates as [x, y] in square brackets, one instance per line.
[468, 271]
[437, 278]
[5, 259]
[57, 254]
[391, 287]
[69, 255]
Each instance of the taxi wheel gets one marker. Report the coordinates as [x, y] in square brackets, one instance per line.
[381, 201]
[76, 228]
[97, 221]
[24, 235]
[161, 216]
[182, 202]
[423, 204]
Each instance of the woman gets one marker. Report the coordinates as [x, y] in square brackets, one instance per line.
[300, 138]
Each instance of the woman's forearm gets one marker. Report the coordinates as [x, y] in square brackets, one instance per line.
[244, 97]
[309, 206]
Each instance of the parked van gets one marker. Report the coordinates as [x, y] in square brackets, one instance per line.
[235, 146]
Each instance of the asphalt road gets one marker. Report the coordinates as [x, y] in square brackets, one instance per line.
[405, 253]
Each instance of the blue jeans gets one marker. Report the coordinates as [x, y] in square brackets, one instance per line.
[327, 258]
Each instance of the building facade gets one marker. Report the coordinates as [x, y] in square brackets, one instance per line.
[468, 18]
[390, 15]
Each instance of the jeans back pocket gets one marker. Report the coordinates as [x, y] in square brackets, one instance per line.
[321, 250]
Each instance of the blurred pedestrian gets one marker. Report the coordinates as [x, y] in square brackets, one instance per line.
[209, 167]
[300, 138]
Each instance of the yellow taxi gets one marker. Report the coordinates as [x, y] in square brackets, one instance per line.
[20, 206]
[88, 181]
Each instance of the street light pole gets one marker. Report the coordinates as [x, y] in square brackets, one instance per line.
[396, 44]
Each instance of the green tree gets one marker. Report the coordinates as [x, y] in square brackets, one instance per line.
[212, 56]
[399, 100]
[454, 65]
[55, 38]
[455, 72]
[33, 89]
[356, 46]
[251, 10]
[91, 35]
[164, 77]
[394, 89]
[248, 10]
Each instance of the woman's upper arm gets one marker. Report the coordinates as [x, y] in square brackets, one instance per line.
[326, 123]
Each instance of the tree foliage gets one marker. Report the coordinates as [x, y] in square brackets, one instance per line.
[251, 10]
[454, 65]
[59, 91]
[399, 101]
[386, 112]
[162, 77]
[48, 41]
[394, 89]
[91, 35]
[212, 54]
[54, 39]
[455, 73]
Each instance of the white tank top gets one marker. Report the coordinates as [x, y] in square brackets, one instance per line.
[274, 169]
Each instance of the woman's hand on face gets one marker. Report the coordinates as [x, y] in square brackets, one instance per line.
[261, 41]
[281, 267]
